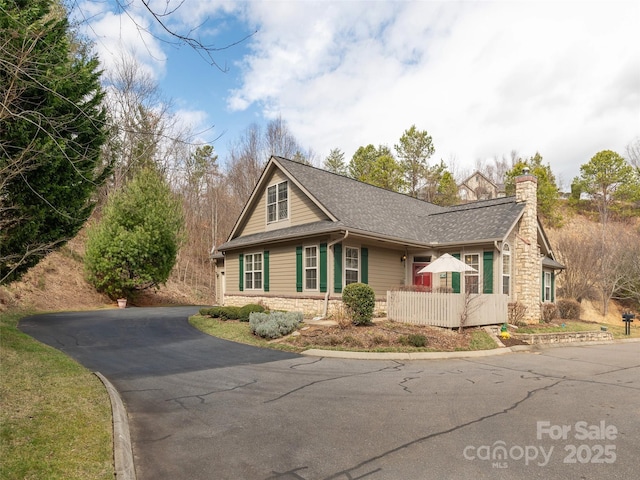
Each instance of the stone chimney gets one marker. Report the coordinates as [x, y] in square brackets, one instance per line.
[527, 263]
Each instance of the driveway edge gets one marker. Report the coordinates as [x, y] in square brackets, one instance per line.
[403, 355]
[122, 452]
[315, 352]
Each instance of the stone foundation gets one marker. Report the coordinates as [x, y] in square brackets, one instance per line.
[309, 306]
[563, 337]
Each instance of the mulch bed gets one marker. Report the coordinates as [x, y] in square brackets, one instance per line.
[380, 335]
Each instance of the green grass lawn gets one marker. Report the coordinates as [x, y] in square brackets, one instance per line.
[236, 332]
[55, 415]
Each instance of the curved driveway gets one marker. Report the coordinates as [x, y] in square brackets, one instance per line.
[204, 408]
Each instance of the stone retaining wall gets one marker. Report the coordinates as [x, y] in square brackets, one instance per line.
[563, 337]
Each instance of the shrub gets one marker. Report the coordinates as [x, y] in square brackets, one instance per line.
[548, 312]
[516, 313]
[360, 301]
[414, 339]
[226, 313]
[274, 324]
[205, 311]
[568, 309]
[134, 245]
[248, 309]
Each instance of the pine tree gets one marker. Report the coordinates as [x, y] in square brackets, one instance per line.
[52, 127]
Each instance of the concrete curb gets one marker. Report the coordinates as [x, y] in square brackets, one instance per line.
[448, 355]
[122, 452]
[404, 355]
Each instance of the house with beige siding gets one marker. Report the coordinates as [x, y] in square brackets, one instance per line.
[305, 233]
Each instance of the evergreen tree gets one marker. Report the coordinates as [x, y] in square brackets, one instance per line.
[335, 162]
[52, 127]
[608, 178]
[134, 246]
[447, 192]
[376, 166]
[547, 190]
[414, 150]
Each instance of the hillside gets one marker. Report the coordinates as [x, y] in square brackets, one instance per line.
[57, 283]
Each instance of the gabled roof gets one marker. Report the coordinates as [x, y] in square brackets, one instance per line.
[476, 173]
[369, 210]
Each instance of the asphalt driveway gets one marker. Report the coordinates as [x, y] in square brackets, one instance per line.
[204, 408]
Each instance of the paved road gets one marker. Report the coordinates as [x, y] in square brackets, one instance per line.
[203, 408]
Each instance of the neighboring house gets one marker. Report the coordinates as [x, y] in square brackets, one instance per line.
[305, 233]
[479, 187]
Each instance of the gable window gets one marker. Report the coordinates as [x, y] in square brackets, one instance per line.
[311, 268]
[253, 271]
[351, 265]
[472, 279]
[547, 286]
[506, 269]
[278, 202]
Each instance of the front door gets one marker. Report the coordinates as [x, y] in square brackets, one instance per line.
[421, 279]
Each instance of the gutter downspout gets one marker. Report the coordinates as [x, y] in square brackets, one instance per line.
[326, 295]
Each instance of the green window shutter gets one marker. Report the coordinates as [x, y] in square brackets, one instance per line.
[487, 272]
[455, 277]
[265, 270]
[364, 265]
[542, 292]
[323, 267]
[553, 286]
[337, 268]
[241, 281]
[298, 269]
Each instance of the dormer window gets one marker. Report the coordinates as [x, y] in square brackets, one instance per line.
[278, 202]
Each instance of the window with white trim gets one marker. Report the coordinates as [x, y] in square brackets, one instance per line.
[547, 286]
[472, 279]
[351, 265]
[311, 268]
[253, 271]
[506, 269]
[278, 202]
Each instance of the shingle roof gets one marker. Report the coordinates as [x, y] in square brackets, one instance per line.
[383, 213]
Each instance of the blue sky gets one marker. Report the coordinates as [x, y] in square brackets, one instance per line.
[483, 78]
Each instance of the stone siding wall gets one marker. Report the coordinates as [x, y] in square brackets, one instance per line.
[527, 281]
[309, 306]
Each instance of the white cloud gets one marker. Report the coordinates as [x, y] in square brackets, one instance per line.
[562, 78]
[122, 33]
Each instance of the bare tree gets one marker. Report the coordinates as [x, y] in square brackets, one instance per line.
[633, 153]
[579, 250]
[278, 140]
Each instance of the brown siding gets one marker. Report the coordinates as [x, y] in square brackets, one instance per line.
[232, 273]
[386, 271]
[301, 209]
[282, 266]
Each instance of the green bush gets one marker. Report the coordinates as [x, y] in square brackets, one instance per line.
[228, 313]
[360, 300]
[134, 245]
[208, 311]
[568, 309]
[274, 324]
[413, 340]
[249, 309]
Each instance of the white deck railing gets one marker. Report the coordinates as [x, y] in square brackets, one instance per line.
[445, 309]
